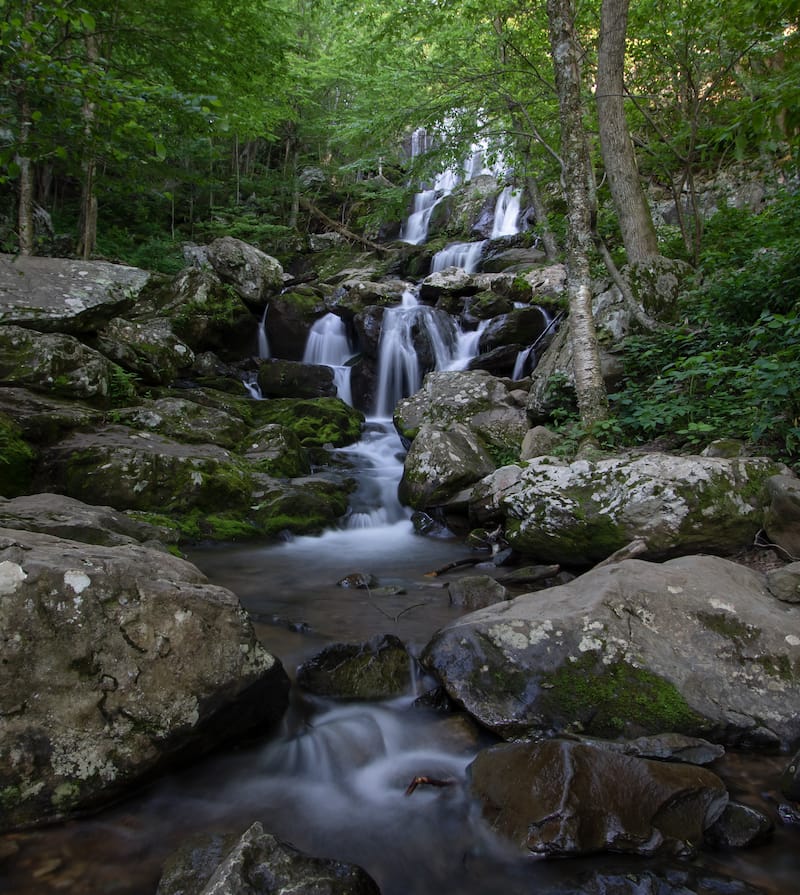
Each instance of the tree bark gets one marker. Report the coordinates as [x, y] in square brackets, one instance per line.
[619, 158]
[26, 238]
[577, 183]
[87, 237]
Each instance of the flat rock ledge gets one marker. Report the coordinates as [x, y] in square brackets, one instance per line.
[117, 661]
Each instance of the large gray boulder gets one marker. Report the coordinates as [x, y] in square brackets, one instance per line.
[581, 512]
[44, 418]
[440, 463]
[186, 420]
[697, 645]
[559, 798]
[117, 661]
[59, 365]
[782, 520]
[252, 273]
[65, 295]
[260, 864]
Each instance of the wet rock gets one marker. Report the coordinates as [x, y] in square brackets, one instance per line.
[117, 662]
[605, 655]
[358, 580]
[289, 318]
[476, 591]
[260, 863]
[674, 880]
[44, 418]
[316, 422]
[252, 273]
[276, 450]
[65, 295]
[559, 798]
[520, 325]
[378, 669]
[292, 379]
[739, 826]
[790, 781]
[784, 582]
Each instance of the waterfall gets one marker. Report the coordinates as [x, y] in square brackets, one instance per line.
[506, 213]
[466, 255]
[415, 229]
[328, 344]
[263, 344]
[528, 358]
[403, 329]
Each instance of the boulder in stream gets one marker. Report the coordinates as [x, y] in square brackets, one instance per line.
[117, 662]
[696, 645]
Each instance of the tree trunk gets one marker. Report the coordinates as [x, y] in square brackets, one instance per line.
[87, 237]
[25, 229]
[619, 158]
[578, 189]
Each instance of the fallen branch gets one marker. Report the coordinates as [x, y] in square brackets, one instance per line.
[340, 228]
[469, 561]
[427, 781]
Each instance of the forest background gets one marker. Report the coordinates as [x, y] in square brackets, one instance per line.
[128, 129]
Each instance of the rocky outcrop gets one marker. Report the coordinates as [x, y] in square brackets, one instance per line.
[560, 798]
[259, 863]
[61, 366]
[292, 379]
[253, 274]
[782, 522]
[697, 645]
[64, 295]
[117, 661]
[581, 512]
[149, 349]
[188, 421]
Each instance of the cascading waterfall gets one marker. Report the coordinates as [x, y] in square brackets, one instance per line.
[328, 344]
[528, 358]
[506, 213]
[465, 255]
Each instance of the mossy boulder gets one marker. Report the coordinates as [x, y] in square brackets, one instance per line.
[292, 379]
[146, 471]
[253, 274]
[16, 459]
[695, 645]
[519, 326]
[44, 419]
[149, 349]
[379, 669]
[581, 512]
[185, 420]
[305, 505]
[289, 319]
[61, 366]
[275, 450]
[316, 422]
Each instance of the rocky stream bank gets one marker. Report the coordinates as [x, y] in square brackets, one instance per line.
[621, 633]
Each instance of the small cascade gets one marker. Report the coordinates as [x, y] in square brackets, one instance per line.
[328, 344]
[467, 346]
[263, 344]
[250, 383]
[415, 229]
[528, 358]
[465, 255]
[399, 369]
[506, 213]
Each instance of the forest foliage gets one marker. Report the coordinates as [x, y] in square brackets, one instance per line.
[184, 121]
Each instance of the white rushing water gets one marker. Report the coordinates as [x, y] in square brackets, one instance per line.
[464, 255]
[506, 213]
[329, 344]
[263, 344]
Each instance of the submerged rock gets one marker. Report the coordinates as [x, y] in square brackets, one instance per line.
[117, 662]
[696, 645]
[379, 669]
[259, 863]
[739, 826]
[560, 798]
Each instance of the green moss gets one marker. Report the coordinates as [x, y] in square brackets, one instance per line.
[17, 459]
[314, 421]
[727, 625]
[609, 700]
[65, 795]
[776, 666]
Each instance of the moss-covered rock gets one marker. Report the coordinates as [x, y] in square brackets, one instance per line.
[185, 420]
[150, 349]
[316, 422]
[275, 450]
[16, 459]
[606, 654]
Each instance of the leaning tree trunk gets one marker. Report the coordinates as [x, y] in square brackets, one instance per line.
[577, 184]
[619, 158]
[87, 236]
[25, 228]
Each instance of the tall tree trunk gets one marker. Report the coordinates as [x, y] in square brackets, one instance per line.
[25, 228]
[619, 158]
[577, 183]
[87, 237]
